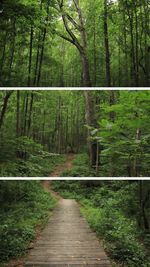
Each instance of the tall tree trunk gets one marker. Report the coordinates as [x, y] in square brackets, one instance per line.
[80, 45]
[112, 119]
[94, 54]
[133, 55]
[30, 114]
[12, 50]
[42, 46]
[30, 56]
[90, 120]
[37, 59]
[26, 114]
[3, 55]
[41, 58]
[86, 73]
[18, 115]
[18, 154]
[143, 201]
[4, 107]
[107, 52]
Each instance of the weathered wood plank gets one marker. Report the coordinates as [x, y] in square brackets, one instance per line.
[67, 240]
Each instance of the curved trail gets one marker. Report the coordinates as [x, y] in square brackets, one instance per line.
[67, 241]
[65, 166]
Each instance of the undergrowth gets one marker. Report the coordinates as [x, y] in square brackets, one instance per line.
[25, 206]
[33, 160]
[81, 167]
[112, 212]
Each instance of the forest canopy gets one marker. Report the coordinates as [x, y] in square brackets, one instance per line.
[107, 131]
[74, 43]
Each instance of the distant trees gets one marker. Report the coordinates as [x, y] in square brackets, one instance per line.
[104, 43]
[112, 126]
[54, 119]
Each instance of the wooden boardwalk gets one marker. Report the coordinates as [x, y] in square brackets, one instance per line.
[67, 241]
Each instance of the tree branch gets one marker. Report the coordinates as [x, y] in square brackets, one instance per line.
[69, 31]
[64, 37]
[78, 27]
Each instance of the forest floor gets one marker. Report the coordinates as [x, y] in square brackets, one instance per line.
[62, 167]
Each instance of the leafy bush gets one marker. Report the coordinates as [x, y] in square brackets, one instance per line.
[119, 233]
[80, 168]
[27, 206]
[36, 166]
[111, 210]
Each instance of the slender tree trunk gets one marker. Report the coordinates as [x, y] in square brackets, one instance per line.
[26, 114]
[30, 114]
[143, 202]
[137, 45]
[30, 56]
[12, 50]
[38, 50]
[112, 119]
[94, 51]
[37, 60]
[4, 107]
[90, 120]
[107, 50]
[41, 58]
[18, 115]
[133, 55]
[135, 162]
[42, 46]
[18, 154]
[3, 55]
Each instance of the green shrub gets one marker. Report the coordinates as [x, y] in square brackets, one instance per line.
[111, 211]
[27, 206]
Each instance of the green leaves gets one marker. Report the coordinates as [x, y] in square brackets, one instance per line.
[31, 205]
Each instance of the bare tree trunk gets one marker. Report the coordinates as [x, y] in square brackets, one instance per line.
[4, 107]
[30, 114]
[26, 114]
[106, 37]
[95, 58]
[43, 44]
[18, 115]
[3, 55]
[30, 57]
[143, 202]
[135, 161]
[86, 73]
[90, 120]
[12, 50]
[18, 154]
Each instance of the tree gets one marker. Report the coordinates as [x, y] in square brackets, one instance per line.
[4, 106]
[81, 44]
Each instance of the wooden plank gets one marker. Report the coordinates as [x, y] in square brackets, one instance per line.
[67, 240]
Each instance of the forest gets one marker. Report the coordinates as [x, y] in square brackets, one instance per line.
[101, 133]
[117, 211]
[71, 43]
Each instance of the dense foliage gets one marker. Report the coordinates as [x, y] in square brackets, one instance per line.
[52, 43]
[24, 206]
[38, 127]
[117, 211]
